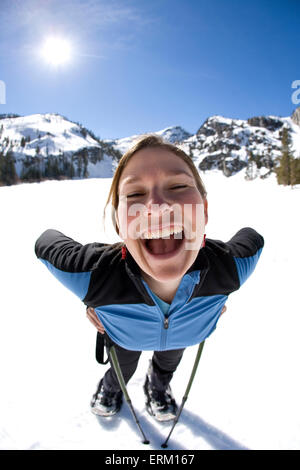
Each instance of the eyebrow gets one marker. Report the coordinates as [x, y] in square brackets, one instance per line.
[135, 179]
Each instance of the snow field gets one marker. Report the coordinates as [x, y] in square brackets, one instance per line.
[246, 391]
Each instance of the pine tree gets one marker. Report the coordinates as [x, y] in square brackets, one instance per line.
[283, 171]
[251, 170]
[295, 171]
[79, 165]
[55, 167]
[8, 172]
[85, 157]
[71, 172]
[1, 167]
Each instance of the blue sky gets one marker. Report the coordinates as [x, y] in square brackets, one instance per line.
[143, 65]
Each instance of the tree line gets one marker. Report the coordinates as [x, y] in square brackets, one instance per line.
[288, 169]
[38, 168]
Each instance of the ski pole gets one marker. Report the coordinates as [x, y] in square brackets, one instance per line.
[185, 396]
[116, 365]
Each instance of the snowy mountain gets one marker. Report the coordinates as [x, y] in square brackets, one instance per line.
[43, 146]
[226, 144]
[296, 116]
[173, 134]
[40, 139]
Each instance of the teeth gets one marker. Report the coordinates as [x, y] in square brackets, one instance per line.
[163, 233]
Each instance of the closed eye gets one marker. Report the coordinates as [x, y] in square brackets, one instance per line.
[179, 186]
[134, 195]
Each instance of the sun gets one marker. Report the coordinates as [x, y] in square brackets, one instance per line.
[56, 51]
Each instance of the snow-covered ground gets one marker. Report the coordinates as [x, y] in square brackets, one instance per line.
[246, 391]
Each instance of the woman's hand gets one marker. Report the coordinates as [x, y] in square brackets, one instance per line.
[92, 316]
[224, 309]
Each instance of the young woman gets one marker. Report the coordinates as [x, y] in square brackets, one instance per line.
[163, 287]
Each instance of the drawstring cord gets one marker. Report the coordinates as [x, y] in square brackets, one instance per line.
[124, 252]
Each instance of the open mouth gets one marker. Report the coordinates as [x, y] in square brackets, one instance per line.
[163, 242]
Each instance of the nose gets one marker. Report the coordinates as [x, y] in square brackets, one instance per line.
[156, 205]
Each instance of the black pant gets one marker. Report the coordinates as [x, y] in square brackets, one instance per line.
[164, 365]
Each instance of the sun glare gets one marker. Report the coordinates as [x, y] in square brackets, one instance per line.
[56, 51]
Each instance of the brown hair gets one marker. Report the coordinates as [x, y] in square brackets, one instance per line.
[148, 141]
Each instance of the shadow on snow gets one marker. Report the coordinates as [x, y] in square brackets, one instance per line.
[158, 432]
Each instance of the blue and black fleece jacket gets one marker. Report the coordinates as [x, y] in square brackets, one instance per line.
[126, 306]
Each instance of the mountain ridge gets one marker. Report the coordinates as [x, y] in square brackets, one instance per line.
[50, 145]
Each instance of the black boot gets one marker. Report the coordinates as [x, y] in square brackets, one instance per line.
[106, 403]
[159, 399]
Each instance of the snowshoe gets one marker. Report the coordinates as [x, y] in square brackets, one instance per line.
[106, 403]
[159, 403]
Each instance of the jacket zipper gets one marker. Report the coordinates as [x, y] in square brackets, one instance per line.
[163, 336]
[142, 289]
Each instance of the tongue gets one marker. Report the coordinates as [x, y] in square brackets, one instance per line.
[161, 246]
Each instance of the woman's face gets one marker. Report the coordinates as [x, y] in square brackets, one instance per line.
[161, 213]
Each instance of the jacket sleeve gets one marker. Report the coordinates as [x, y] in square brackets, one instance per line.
[69, 261]
[246, 247]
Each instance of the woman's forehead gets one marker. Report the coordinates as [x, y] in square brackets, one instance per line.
[131, 179]
[154, 161]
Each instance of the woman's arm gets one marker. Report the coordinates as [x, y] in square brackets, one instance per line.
[69, 261]
[246, 247]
